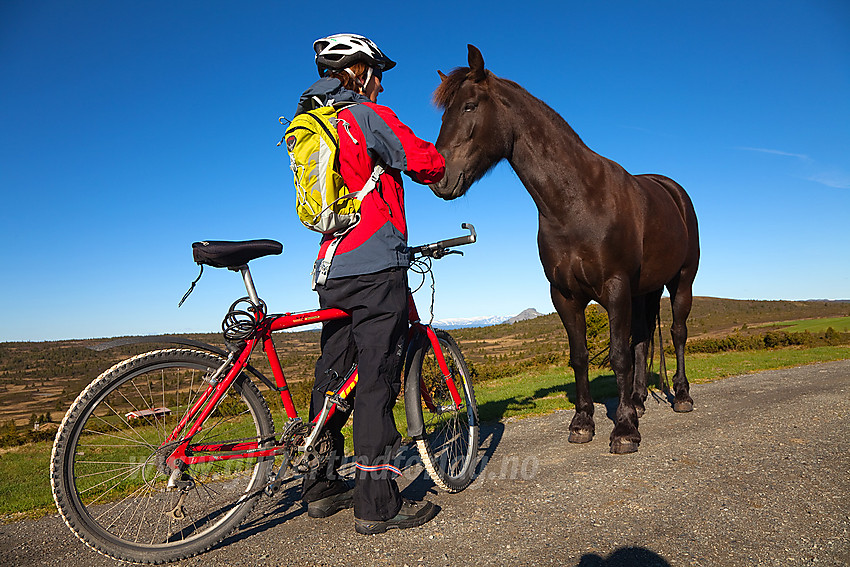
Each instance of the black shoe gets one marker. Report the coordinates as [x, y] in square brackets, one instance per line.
[412, 514]
[330, 505]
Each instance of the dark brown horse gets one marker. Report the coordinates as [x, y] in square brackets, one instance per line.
[604, 236]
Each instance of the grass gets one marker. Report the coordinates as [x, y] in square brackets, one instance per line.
[840, 324]
[25, 486]
[708, 367]
[537, 393]
[24, 479]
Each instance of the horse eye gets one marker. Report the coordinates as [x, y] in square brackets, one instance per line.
[470, 106]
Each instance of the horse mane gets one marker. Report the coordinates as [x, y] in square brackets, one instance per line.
[444, 93]
[448, 88]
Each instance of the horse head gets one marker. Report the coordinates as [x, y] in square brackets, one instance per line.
[473, 137]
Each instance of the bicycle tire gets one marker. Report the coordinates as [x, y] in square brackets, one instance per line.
[448, 444]
[106, 481]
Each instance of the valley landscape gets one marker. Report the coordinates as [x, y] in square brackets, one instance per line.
[39, 380]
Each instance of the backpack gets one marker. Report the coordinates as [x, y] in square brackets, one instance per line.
[322, 200]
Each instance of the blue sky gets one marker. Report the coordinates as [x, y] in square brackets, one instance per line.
[128, 130]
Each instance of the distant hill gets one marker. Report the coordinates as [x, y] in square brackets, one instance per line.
[463, 323]
[529, 313]
[45, 377]
[507, 348]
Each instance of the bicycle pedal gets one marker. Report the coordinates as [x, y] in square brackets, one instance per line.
[340, 402]
[272, 487]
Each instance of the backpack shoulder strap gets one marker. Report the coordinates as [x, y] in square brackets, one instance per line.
[325, 265]
[371, 183]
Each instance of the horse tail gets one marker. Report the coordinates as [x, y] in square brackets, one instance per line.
[663, 381]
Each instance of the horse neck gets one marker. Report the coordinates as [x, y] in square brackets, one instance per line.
[550, 159]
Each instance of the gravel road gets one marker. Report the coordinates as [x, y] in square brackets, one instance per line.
[756, 475]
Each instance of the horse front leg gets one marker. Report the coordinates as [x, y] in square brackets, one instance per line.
[625, 438]
[681, 299]
[571, 311]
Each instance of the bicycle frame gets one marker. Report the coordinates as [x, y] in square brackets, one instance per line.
[184, 478]
[196, 416]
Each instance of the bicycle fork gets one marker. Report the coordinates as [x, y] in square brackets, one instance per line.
[447, 376]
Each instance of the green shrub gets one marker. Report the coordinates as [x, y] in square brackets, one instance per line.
[765, 341]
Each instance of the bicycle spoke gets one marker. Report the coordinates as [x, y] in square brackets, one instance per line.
[130, 425]
[104, 434]
[123, 474]
[125, 499]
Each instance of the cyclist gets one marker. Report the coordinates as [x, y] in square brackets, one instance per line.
[368, 277]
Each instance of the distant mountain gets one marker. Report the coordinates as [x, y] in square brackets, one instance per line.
[529, 313]
[462, 323]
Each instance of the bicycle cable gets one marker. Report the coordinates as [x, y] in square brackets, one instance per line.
[423, 267]
[191, 287]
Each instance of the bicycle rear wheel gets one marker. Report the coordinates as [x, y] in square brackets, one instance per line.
[108, 469]
[448, 443]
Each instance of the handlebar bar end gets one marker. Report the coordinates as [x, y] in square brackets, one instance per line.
[472, 234]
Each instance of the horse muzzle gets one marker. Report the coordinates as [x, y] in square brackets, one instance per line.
[448, 191]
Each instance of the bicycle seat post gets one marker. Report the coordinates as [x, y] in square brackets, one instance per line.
[249, 284]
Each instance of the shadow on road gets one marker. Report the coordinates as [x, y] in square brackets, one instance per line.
[625, 557]
[602, 388]
[286, 504]
[491, 436]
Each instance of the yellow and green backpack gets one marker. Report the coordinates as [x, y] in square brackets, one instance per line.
[323, 202]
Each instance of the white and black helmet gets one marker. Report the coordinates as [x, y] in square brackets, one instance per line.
[343, 50]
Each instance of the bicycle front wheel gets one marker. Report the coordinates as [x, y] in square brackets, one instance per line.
[448, 443]
[108, 469]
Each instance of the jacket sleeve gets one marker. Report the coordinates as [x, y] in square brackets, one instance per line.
[393, 142]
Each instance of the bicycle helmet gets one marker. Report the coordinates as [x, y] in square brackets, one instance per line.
[343, 50]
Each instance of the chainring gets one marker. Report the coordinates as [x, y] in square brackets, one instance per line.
[306, 460]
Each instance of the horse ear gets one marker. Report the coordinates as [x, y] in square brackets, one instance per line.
[476, 64]
[442, 75]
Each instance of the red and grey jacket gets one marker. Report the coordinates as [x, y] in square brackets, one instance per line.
[370, 133]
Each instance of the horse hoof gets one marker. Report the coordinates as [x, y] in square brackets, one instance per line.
[683, 407]
[583, 436]
[623, 447]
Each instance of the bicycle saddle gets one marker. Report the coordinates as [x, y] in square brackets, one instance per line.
[227, 254]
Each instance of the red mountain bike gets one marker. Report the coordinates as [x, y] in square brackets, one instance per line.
[166, 453]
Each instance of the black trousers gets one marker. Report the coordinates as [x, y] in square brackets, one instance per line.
[374, 338]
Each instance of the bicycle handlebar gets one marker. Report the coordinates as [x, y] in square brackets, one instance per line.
[442, 247]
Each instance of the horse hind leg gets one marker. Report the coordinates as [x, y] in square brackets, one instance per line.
[681, 299]
[571, 311]
[644, 315]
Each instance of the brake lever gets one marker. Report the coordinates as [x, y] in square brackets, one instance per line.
[445, 252]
